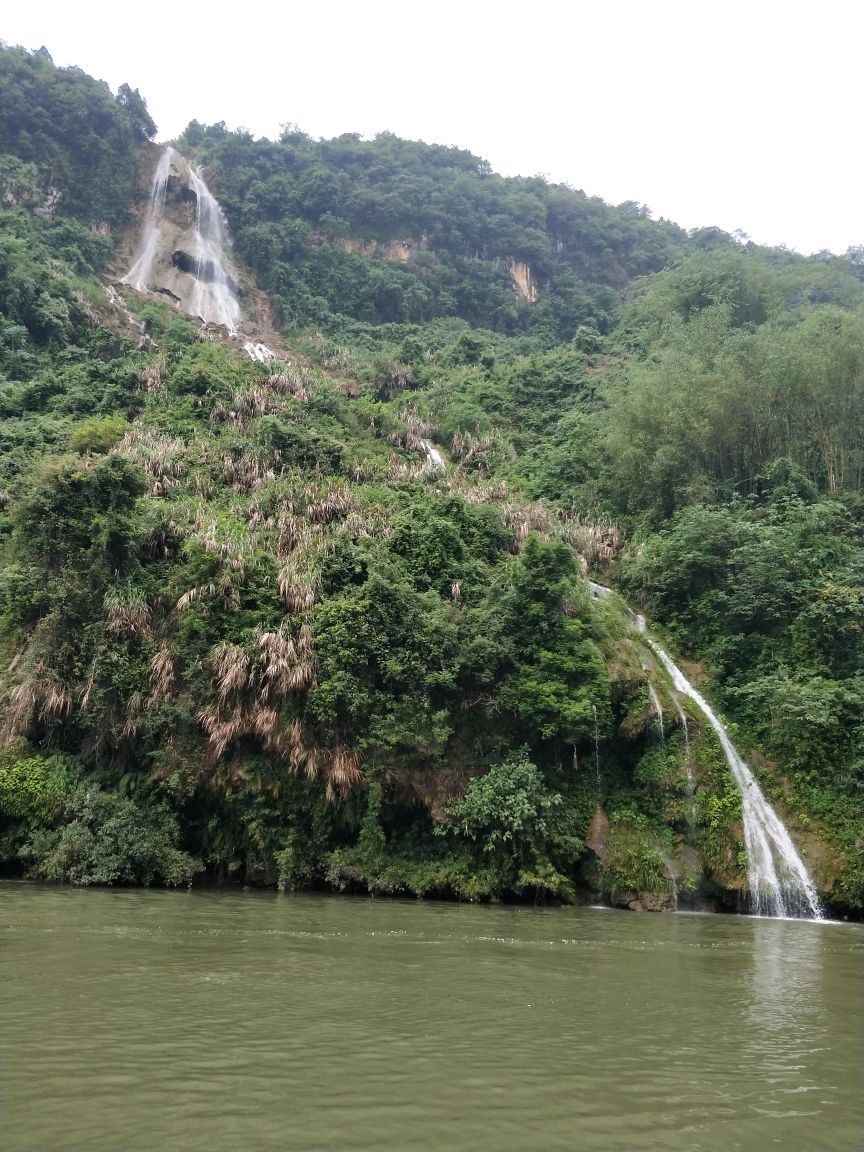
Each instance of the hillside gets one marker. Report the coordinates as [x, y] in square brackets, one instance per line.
[249, 629]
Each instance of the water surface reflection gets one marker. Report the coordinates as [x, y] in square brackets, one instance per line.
[155, 1020]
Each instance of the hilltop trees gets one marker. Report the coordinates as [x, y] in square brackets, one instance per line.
[397, 231]
[83, 143]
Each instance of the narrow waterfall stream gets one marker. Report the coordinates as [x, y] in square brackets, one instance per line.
[658, 709]
[434, 459]
[779, 883]
[140, 275]
[777, 878]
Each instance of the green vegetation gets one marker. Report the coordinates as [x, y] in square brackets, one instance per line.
[392, 231]
[246, 633]
[70, 147]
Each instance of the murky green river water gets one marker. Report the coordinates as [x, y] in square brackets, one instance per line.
[157, 1020]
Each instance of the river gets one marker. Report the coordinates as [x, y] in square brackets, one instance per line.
[135, 1020]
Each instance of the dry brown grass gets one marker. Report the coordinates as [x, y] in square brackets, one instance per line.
[163, 540]
[251, 693]
[299, 589]
[222, 590]
[334, 502]
[256, 697]
[160, 456]
[128, 612]
[292, 381]
[37, 697]
[132, 716]
[20, 709]
[402, 470]
[163, 675]
[247, 471]
[230, 666]
[598, 544]
[343, 772]
[287, 664]
[152, 375]
[366, 522]
[479, 452]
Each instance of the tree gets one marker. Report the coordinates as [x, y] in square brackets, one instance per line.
[136, 106]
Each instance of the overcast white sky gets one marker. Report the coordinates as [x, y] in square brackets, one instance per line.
[742, 115]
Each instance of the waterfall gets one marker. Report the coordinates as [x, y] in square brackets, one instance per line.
[434, 459]
[672, 873]
[190, 263]
[140, 275]
[259, 352]
[682, 718]
[688, 767]
[212, 296]
[779, 883]
[597, 751]
[599, 591]
[658, 709]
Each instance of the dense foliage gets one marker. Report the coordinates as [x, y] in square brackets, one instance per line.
[246, 631]
[397, 231]
[68, 144]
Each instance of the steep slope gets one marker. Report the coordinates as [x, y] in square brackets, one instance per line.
[249, 632]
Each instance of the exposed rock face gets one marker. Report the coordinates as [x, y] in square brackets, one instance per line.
[521, 275]
[523, 281]
[398, 251]
[598, 833]
[645, 901]
[49, 205]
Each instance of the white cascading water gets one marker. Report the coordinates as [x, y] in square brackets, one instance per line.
[688, 767]
[658, 709]
[434, 459]
[212, 296]
[140, 275]
[259, 352]
[779, 883]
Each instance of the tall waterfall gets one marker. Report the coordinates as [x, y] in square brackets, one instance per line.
[187, 259]
[779, 883]
[213, 295]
